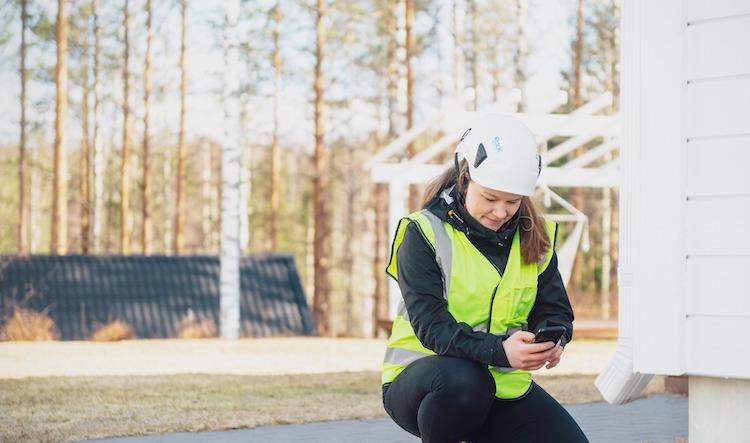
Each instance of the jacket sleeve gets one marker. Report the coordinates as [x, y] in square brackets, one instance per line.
[420, 281]
[552, 307]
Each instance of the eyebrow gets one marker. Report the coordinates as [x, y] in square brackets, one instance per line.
[494, 197]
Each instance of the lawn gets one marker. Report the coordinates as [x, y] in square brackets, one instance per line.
[52, 409]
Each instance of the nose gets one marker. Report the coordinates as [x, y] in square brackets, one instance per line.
[500, 211]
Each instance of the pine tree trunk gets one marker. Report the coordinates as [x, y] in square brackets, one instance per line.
[207, 201]
[410, 149]
[576, 198]
[145, 183]
[59, 240]
[349, 243]
[379, 190]
[35, 231]
[85, 148]
[391, 48]
[180, 200]
[321, 305]
[23, 215]
[380, 302]
[125, 165]
[98, 154]
[277, 66]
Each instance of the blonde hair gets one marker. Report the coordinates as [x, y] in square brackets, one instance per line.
[534, 239]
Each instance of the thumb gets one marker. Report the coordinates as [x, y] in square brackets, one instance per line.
[524, 336]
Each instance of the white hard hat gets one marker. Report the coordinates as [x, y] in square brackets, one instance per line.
[502, 154]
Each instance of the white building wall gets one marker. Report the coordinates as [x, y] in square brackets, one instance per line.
[717, 146]
[653, 156]
[687, 181]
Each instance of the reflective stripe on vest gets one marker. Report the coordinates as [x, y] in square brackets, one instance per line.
[508, 312]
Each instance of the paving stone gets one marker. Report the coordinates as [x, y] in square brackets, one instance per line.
[656, 419]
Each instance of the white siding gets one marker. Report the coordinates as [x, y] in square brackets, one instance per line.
[717, 144]
[718, 166]
[690, 187]
[718, 226]
[656, 96]
[716, 287]
[718, 347]
[719, 48]
[712, 9]
[718, 107]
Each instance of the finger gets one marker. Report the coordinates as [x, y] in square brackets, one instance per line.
[538, 361]
[534, 348]
[535, 367]
[553, 363]
[524, 336]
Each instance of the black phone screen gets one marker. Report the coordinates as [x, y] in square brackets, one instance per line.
[552, 333]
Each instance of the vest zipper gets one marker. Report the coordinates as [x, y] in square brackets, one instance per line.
[492, 301]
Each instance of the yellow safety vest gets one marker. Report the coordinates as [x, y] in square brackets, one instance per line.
[476, 294]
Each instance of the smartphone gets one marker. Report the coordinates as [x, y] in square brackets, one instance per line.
[550, 333]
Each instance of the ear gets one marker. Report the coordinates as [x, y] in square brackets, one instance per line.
[481, 155]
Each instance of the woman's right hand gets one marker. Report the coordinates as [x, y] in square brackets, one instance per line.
[523, 354]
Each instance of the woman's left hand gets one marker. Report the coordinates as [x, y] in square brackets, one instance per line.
[551, 363]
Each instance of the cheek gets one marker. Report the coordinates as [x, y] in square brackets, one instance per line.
[475, 207]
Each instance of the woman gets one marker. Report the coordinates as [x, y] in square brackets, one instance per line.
[477, 271]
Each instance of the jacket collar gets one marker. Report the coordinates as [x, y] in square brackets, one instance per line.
[449, 207]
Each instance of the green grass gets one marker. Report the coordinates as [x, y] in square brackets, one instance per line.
[73, 408]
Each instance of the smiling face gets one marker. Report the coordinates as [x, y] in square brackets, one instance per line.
[489, 207]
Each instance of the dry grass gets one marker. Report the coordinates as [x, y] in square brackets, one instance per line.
[115, 330]
[73, 408]
[28, 325]
[190, 327]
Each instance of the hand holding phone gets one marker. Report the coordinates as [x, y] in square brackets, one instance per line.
[550, 333]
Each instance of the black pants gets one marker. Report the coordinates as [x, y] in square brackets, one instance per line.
[447, 400]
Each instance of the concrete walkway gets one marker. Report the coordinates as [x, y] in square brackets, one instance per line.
[660, 418]
[259, 356]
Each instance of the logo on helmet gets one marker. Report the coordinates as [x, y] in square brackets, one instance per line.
[498, 146]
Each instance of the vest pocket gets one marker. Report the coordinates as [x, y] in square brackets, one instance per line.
[511, 307]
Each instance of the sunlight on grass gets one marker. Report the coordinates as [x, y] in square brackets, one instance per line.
[72, 408]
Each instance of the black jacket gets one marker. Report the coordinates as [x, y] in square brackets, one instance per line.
[420, 280]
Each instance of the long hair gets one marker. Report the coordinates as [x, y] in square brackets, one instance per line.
[534, 238]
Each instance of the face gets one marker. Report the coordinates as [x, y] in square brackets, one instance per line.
[489, 207]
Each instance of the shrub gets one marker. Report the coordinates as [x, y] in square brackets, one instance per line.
[115, 330]
[29, 325]
[191, 327]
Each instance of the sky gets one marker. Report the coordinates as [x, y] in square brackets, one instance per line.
[548, 30]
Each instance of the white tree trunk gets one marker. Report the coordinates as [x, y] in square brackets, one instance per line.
[231, 180]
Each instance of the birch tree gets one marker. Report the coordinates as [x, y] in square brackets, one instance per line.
[231, 180]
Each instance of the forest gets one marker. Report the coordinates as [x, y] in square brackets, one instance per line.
[112, 135]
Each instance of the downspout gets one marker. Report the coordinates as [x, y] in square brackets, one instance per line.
[619, 382]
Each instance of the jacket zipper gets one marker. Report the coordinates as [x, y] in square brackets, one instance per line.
[492, 301]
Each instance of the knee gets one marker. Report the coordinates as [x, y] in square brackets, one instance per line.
[470, 388]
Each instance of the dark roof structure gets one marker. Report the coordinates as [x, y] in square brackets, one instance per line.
[153, 293]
